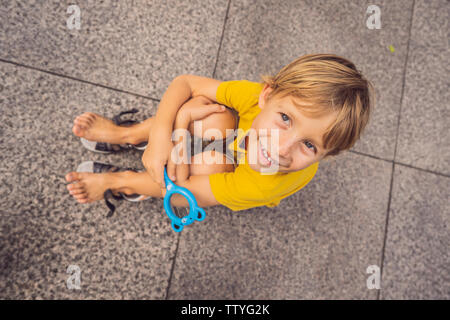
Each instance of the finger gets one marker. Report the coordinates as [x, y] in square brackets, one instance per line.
[221, 107]
[144, 162]
[216, 108]
[210, 109]
[159, 176]
[171, 169]
[156, 177]
[151, 174]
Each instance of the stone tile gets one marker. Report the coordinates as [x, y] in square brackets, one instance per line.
[317, 245]
[205, 259]
[262, 38]
[42, 229]
[138, 47]
[424, 124]
[416, 263]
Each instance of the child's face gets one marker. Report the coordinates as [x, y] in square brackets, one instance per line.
[299, 136]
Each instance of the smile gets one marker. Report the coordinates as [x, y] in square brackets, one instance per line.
[264, 157]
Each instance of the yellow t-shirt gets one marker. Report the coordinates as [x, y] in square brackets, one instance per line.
[246, 188]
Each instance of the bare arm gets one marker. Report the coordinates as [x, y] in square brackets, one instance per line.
[182, 88]
[176, 94]
[141, 183]
[181, 124]
[157, 153]
[199, 185]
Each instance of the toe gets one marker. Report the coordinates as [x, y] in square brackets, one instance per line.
[77, 192]
[78, 127]
[80, 196]
[72, 176]
[75, 186]
[77, 130]
[90, 116]
[85, 116]
[88, 120]
[78, 119]
[82, 122]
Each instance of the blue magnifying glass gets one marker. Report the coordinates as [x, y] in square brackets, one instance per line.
[196, 213]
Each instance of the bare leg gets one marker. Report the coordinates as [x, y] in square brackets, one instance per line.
[89, 187]
[94, 127]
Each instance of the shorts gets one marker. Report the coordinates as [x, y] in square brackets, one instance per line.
[198, 144]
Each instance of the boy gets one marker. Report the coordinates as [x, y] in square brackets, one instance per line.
[315, 107]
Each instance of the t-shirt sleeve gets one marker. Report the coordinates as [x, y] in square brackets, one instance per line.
[240, 95]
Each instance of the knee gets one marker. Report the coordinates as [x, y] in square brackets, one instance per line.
[216, 126]
[197, 100]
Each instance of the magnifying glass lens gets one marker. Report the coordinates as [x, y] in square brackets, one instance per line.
[180, 212]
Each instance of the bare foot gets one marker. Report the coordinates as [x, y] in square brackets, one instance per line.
[89, 187]
[94, 127]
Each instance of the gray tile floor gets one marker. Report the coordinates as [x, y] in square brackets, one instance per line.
[383, 203]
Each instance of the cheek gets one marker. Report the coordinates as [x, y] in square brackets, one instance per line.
[265, 121]
[301, 161]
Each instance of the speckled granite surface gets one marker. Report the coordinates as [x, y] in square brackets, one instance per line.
[317, 245]
[417, 260]
[424, 125]
[138, 46]
[273, 33]
[43, 229]
[385, 203]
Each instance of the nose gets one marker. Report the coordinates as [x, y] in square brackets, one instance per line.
[285, 147]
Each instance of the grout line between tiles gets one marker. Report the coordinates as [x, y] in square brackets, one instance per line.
[386, 230]
[421, 169]
[400, 164]
[402, 95]
[76, 79]
[221, 39]
[369, 155]
[213, 75]
[172, 267]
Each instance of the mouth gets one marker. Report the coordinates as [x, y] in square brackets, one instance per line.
[264, 156]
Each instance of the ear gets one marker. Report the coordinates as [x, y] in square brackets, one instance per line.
[263, 95]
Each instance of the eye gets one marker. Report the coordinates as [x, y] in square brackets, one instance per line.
[285, 117]
[309, 145]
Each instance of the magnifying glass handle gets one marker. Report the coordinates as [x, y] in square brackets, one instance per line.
[195, 212]
[167, 181]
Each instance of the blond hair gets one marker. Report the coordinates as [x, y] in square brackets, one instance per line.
[327, 83]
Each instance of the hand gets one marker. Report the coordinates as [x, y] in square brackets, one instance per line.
[157, 154]
[198, 111]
